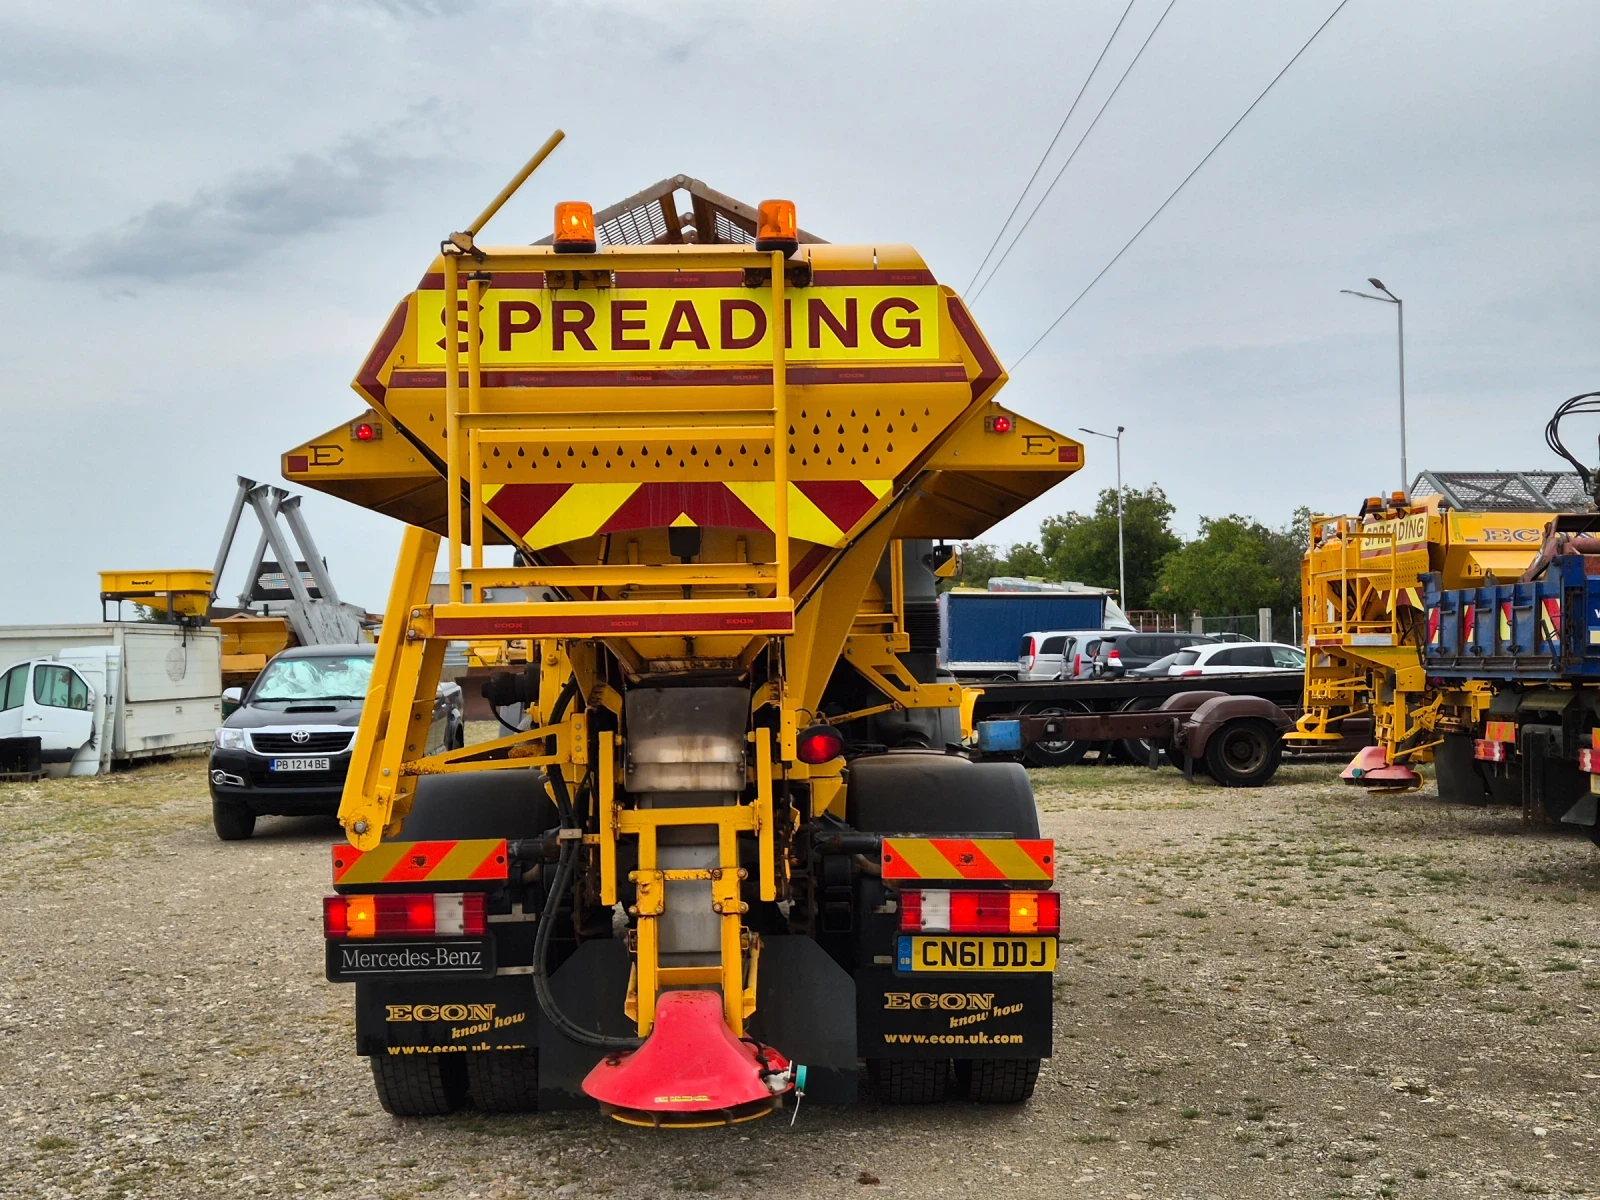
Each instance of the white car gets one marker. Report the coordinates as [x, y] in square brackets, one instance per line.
[1238, 658]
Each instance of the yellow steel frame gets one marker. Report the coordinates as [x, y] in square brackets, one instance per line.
[389, 756]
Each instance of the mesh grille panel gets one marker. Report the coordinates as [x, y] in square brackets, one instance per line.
[633, 227]
[731, 233]
[1506, 491]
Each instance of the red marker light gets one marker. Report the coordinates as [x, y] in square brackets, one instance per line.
[819, 744]
[364, 432]
[997, 424]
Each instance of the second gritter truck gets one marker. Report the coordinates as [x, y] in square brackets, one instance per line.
[734, 849]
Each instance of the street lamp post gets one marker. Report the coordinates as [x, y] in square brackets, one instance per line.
[1389, 297]
[1122, 568]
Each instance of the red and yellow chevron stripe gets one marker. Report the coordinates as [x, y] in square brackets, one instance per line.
[422, 862]
[968, 858]
[824, 511]
[1434, 638]
[1549, 619]
[1469, 625]
[1505, 621]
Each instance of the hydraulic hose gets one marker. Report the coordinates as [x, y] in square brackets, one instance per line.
[555, 897]
[541, 972]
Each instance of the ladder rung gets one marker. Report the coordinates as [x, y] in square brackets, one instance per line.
[616, 575]
[615, 618]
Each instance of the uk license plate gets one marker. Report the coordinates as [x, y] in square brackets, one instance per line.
[299, 764]
[986, 954]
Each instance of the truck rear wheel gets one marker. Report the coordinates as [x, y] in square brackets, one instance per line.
[233, 822]
[997, 1080]
[909, 1080]
[419, 1085]
[927, 793]
[503, 1081]
[1244, 753]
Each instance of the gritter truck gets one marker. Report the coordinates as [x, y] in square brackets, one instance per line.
[733, 849]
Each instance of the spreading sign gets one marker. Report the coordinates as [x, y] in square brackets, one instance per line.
[664, 326]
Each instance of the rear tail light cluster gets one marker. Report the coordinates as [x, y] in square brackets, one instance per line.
[428, 914]
[980, 912]
[1487, 751]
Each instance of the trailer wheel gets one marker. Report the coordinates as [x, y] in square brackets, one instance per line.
[997, 1080]
[909, 1080]
[419, 1085]
[503, 1081]
[233, 822]
[1142, 750]
[1057, 754]
[1243, 753]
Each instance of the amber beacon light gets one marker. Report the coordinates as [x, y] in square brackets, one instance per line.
[574, 228]
[776, 228]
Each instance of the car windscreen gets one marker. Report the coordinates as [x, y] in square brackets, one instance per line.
[296, 680]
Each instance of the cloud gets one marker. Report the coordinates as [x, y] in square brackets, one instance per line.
[250, 214]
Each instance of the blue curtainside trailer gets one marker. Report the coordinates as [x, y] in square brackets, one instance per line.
[980, 632]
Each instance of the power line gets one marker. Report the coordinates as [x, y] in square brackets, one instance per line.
[1060, 129]
[1128, 70]
[1151, 220]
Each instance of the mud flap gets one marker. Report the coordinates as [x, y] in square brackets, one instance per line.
[806, 1008]
[1459, 777]
[402, 1016]
[954, 1016]
[1585, 812]
[591, 988]
[1550, 784]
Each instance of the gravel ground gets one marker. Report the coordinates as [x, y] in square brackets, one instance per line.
[1300, 991]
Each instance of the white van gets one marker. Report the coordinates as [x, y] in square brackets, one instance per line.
[88, 696]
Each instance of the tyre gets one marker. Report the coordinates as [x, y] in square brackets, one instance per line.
[458, 740]
[1243, 753]
[487, 804]
[1141, 750]
[923, 792]
[233, 822]
[503, 1081]
[909, 1080]
[419, 1085]
[997, 1080]
[1056, 754]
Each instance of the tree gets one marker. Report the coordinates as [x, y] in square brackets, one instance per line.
[979, 563]
[1084, 547]
[1231, 568]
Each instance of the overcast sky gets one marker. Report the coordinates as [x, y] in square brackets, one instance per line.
[210, 209]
